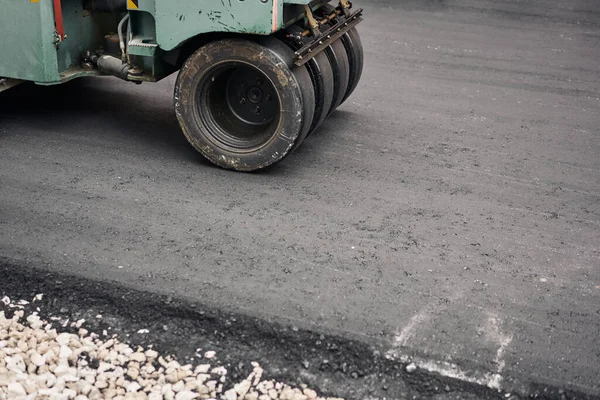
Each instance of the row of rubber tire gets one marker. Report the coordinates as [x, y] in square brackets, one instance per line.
[244, 105]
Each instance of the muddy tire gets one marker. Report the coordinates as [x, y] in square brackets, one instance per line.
[242, 105]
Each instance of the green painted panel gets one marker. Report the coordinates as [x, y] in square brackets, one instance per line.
[27, 49]
[179, 20]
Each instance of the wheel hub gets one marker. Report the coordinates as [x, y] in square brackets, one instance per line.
[240, 104]
[250, 97]
[254, 94]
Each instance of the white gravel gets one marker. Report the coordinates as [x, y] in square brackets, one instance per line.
[38, 361]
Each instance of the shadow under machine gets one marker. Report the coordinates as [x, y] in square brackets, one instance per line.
[256, 77]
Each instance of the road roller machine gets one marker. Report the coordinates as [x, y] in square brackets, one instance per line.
[255, 77]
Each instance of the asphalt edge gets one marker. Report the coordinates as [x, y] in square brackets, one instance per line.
[333, 364]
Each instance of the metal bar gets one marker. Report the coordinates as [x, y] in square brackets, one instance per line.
[6, 83]
[327, 19]
[58, 19]
[312, 49]
[312, 22]
[275, 16]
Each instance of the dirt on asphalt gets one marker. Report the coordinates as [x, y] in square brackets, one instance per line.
[449, 211]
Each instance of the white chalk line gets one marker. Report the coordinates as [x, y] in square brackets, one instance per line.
[493, 333]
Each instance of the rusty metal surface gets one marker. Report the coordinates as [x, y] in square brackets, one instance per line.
[332, 34]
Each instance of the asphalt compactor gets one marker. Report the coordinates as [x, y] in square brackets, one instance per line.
[256, 77]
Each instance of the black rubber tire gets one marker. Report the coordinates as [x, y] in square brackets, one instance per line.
[354, 50]
[304, 81]
[208, 115]
[336, 53]
[356, 58]
[321, 74]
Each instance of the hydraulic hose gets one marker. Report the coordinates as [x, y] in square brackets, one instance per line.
[120, 31]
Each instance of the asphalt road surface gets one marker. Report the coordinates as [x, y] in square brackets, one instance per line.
[450, 210]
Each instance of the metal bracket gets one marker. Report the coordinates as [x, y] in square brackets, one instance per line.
[345, 5]
[312, 21]
[312, 49]
[58, 21]
[57, 39]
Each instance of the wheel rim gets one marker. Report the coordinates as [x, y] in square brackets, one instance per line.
[240, 106]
